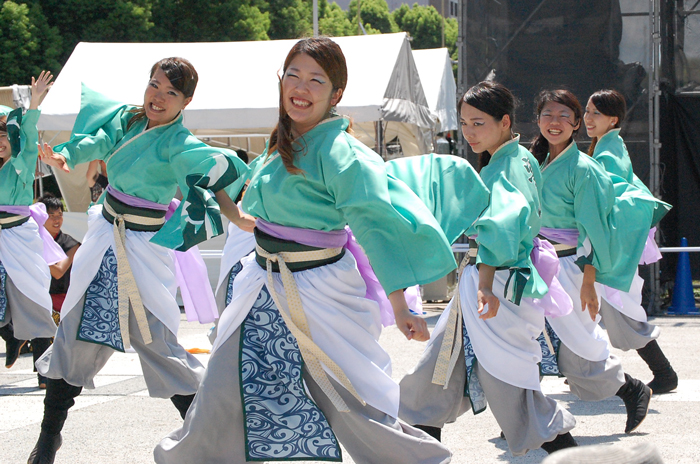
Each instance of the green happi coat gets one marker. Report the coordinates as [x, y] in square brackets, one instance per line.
[611, 152]
[449, 186]
[344, 182]
[17, 174]
[151, 164]
[506, 229]
[577, 193]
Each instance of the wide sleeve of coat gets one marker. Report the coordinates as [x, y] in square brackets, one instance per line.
[23, 137]
[100, 125]
[200, 171]
[402, 239]
[449, 186]
[505, 236]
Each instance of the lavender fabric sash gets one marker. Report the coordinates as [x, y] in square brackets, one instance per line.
[651, 253]
[556, 303]
[52, 251]
[190, 271]
[193, 280]
[335, 239]
[570, 237]
[136, 202]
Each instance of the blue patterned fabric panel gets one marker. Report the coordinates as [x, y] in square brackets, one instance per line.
[3, 292]
[472, 388]
[100, 321]
[549, 364]
[281, 422]
[232, 275]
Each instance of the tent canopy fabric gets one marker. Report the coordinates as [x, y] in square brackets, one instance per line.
[435, 71]
[238, 81]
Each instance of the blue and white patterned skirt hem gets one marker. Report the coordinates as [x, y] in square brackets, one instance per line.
[281, 422]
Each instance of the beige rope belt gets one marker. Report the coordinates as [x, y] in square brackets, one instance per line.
[128, 290]
[451, 343]
[11, 219]
[298, 325]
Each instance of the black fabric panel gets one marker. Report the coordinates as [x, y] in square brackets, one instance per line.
[680, 156]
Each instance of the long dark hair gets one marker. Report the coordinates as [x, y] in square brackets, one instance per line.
[540, 145]
[493, 99]
[330, 57]
[181, 75]
[610, 103]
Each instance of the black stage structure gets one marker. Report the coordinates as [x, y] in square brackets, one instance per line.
[647, 49]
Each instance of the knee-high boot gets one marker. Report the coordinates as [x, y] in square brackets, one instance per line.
[60, 396]
[39, 346]
[636, 397]
[665, 378]
[12, 345]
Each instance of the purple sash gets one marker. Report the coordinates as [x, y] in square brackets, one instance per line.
[570, 237]
[193, 280]
[651, 253]
[335, 239]
[556, 303]
[52, 251]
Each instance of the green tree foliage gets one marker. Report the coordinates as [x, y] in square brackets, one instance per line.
[333, 21]
[289, 19]
[424, 25]
[27, 43]
[209, 21]
[375, 16]
[98, 21]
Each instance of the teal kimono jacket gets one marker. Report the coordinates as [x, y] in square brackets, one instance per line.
[506, 229]
[151, 164]
[17, 174]
[577, 193]
[611, 152]
[345, 183]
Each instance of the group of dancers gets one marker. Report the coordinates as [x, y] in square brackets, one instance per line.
[319, 251]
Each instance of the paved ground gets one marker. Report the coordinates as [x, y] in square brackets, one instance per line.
[118, 423]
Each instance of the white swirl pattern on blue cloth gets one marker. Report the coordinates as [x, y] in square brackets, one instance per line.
[232, 275]
[549, 364]
[472, 387]
[281, 422]
[100, 320]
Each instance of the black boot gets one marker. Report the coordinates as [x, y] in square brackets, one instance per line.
[435, 432]
[636, 397]
[565, 440]
[39, 346]
[60, 396]
[182, 403]
[665, 378]
[12, 345]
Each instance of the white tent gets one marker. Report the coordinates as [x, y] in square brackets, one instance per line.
[237, 94]
[435, 70]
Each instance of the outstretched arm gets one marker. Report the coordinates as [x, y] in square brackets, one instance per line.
[230, 210]
[40, 88]
[52, 158]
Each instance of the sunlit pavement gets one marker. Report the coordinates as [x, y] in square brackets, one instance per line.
[118, 423]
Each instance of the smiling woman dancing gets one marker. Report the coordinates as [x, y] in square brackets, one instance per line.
[623, 315]
[598, 232]
[123, 282]
[296, 367]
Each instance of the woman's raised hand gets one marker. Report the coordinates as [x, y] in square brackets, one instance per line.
[48, 156]
[40, 87]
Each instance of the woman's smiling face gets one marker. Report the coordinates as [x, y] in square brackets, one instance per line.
[557, 124]
[161, 101]
[307, 93]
